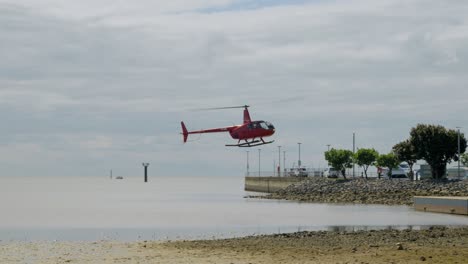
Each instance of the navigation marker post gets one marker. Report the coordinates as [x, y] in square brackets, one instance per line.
[146, 171]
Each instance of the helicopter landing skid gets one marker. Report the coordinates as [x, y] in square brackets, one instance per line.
[253, 143]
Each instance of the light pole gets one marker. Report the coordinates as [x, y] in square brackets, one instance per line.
[279, 161]
[328, 145]
[299, 161]
[274, 167]
[247, 163]
[146, 171]
[284, 162]
[354, 148]
[458, 152]
[259, 162]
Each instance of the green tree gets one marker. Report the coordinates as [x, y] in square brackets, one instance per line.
[405, 151]
[340, 159]
[464, 159]
[437, 146]
[365, 158]
[389, 160]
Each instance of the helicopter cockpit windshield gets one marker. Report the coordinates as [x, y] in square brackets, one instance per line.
[270, 125]
[266, 125]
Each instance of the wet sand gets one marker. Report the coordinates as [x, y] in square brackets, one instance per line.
[437, 245]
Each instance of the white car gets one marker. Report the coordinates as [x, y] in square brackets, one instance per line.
[298, 172]
[331, 173]
[404, 167]
[396, 173]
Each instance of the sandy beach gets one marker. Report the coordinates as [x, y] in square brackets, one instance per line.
[435, 245]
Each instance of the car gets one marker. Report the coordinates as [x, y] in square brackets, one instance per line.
[399, 176]
[331, 173]
[298, 172]
[397, 173]
[405, 167]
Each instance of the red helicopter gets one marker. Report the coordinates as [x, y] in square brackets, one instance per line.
[251, 132]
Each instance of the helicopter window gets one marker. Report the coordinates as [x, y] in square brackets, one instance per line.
[263, 125]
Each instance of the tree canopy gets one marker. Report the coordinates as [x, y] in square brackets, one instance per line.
[405, 151]
[464, 159]
[365, 157]
[437, 146]
[389, 160]
[340, 159]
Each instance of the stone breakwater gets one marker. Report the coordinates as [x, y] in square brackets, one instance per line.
[370, 191]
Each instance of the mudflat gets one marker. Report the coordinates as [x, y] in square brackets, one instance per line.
[434, 245]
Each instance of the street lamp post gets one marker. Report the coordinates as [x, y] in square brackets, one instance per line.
[259, 162]
[279, 161]
[458, 152]
[328, 145]
[299, 161]
[274, 167]
[284, 162]
[248, 163]
[354, 148]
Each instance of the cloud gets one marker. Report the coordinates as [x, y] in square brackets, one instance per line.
[92, 79]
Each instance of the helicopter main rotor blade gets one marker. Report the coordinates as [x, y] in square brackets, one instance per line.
[219, 108]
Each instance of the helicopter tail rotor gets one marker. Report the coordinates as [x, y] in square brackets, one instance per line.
[184, 131]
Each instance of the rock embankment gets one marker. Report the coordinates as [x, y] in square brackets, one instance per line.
[369, 191]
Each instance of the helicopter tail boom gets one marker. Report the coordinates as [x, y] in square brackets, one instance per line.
[185, 132]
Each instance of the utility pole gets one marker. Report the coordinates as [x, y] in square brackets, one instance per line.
[299, 161]
[274, 167]
[279, 161]
[146, 171]
[328, 145]
[247, 163]
[458, 152]
[354, 148]
[284, 162]
[259, 162]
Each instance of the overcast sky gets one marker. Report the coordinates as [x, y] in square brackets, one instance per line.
[89, 86]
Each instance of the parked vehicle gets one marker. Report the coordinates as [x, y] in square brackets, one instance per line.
[331, 173]
[298, 172]
[405, 167]
[396, 173]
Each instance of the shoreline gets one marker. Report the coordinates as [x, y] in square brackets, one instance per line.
[434, 245]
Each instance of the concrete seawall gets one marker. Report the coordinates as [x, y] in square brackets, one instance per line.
[269, 184]
[440, 204]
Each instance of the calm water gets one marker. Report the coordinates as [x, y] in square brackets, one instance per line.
[174, 208]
